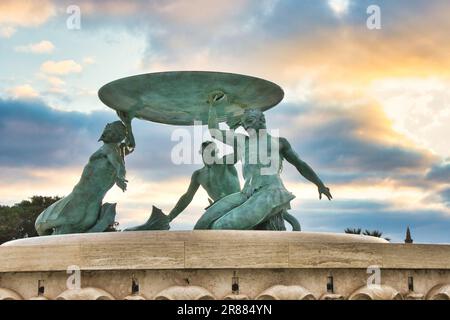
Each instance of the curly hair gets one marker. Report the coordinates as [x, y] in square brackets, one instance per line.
[116, 130]
[254, 114]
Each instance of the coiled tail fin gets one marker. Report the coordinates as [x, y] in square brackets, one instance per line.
[292, 221]
[157, 221]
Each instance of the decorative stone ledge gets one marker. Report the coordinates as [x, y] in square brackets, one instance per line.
[215, 250]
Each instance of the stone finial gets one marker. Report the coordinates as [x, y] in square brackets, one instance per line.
[408, 238]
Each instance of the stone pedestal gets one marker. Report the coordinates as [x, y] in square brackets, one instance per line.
[221, 265]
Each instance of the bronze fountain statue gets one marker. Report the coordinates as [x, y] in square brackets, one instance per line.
[184, 98]
[82, 210]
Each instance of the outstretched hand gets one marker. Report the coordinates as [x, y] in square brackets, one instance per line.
[326, 191]
[216, 96]
[126, 118]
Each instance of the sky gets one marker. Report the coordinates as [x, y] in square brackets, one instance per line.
[368, 109]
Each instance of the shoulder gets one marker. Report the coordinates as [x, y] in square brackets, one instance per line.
[196, 174]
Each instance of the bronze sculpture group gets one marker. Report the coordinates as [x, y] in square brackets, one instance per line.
[262, 203]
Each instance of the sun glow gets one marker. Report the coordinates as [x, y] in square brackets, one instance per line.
[339, 7]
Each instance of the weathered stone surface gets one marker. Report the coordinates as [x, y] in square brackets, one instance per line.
[189, 249]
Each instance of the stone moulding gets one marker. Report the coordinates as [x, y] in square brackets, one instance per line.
[85, 294]
[185, 293]
[7, 294]
[236, 297]
[414, 296]
[39, 298]
[439, 292]
[280, 292]
[332, 296]
[376, 292]
[277, 292]
[135, 297]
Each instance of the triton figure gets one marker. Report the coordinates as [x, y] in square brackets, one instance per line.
[82, 210]
[264, 200]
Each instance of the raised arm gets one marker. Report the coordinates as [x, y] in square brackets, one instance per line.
[225, 136]
[130, 144]
[129, 140]
[213, 126]
[303, 168]
[186, 198]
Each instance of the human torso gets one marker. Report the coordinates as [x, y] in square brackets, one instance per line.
[261, 162]
[219, 180]
[98, 175]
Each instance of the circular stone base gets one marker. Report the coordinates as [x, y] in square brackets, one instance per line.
[205, 264]
[181, 249]
[147, 237]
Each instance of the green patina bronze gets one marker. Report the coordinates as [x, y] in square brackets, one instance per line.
[184, 98]
[264, 201]
[82, 210]
[218, 177]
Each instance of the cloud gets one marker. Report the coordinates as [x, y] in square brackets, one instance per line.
[44, 137]
[427, 226]
[171, 25]
[44, 46]
[34, 135]
[445, 196]
[55, 81]
[25, 13]
[61, 67]
[23, 91]
[178, 31]
[110, 7]
[200, 12]
[440, 172]
[177, 11]
[88, 60]
[418, 108]
[57, 85]
[352, 141]
[7, 32]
